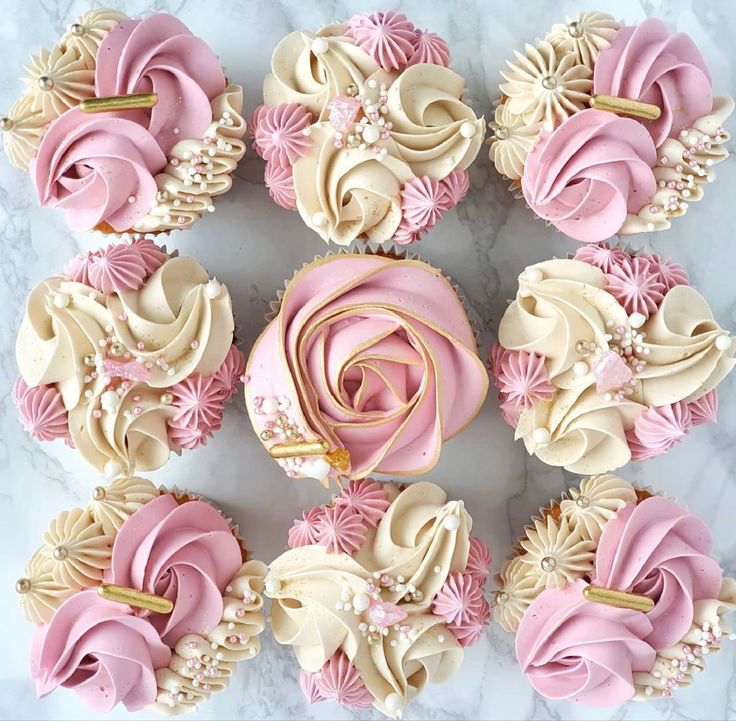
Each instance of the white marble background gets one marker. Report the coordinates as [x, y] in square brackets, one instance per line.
[251, 244]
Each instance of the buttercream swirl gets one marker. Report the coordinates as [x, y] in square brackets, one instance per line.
[113, 504]
[185, 553]
[177, 324]
[587, 175]
[414, 540]
[356, 359]
[586, 652]
[648, 63]
[102, 651]
[87, 33]
[42, 595]
[22, 138]
[658, 549]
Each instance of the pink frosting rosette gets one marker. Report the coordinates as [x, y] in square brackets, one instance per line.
[160, 55]
[97, 168]
[185, 553]
[648, 63]
[102, 651]
[658, 549]
[589, 173]
[372, 355]
[586, 652]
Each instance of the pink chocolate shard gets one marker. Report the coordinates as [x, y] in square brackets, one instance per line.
[344, 111]
[611, 372]
[385, 615]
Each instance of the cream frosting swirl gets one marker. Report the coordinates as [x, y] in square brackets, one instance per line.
[415, 540]
[177, 324]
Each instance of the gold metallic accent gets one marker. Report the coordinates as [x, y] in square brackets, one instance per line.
[6, 124]
[339, 459]
[61, 553]
[78, 30]
[139, 599]
[625, 106]
[23, 585]
[99, 493]
[297, 450]
[618, 599]
[45, 83]
[118, 102]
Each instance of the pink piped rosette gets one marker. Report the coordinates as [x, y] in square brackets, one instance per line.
[111, 649]
[127, 356]
[379, 584]
[613, 596]
[127, 170]
[596, 173]
[364, 130]
[358, 370]
[608, 357]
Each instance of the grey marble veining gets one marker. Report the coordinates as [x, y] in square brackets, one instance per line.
[251, 244]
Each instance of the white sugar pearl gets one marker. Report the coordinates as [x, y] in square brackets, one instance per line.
[269, 406]
[534, 275]
[319, 219]
[467, 129]
[273, 585]
[109, 401]
[541, 436]
[213, 289]
[320, 46]
[723, 342]
[371, 134]
[361, 601]
[61, 300]
[580, 368]
[637, 320]
[394, 703]
[451, 523]
[112, 469]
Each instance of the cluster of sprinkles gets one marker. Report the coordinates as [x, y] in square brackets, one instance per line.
[279, 427]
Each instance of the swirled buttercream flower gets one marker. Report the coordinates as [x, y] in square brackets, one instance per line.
[591, 173]
[356, 364]
[41, 411]
[141, 598]
[102, 651]
[374, 624]
[365, 119]
[148, 167]
[635, 625]
[131, 341]
[615, 342]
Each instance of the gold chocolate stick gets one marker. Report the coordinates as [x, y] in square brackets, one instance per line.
[618, 599]
[298, 449]
[118, 102]
[625, 106]
[139, 599]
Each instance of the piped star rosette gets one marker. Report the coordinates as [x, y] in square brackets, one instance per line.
[379, 593]
[369, 365]
[606, 358]
[364, 129]
[613, 596]
[127, 356]
[127, 125]
[607, 129]
[144, 598]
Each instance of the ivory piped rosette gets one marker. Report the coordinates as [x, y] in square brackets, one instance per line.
[379, 593]
[372, 355]
[611, 534]
[127, 356]
[364, 129]
[588, 172]
[167, 543]
[608, 357]
[127, 171]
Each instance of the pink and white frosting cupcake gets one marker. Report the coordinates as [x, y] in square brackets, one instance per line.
[364, 130]
[608, 129]
[144, 598]
[607, 358]
[613, 596]
[368, 366]
[127, 125]
[127, 356]
[379, 593]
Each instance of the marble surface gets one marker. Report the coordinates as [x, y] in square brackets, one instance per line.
[252, 245]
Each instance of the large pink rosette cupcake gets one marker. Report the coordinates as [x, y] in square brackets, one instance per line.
[369, 365]
[127, 357]
[364, 130]
[609, 357]
[613, 595]
[127, 125]
[379, 594]
[144, 598]
[607, 129]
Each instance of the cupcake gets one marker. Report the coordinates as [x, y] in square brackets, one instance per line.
[369, 365]
[613, 596]
[608, 129]
[127, 356]
[127, 125]
[607, 358]
[364, 129]
[162, 575]
[379, 594]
